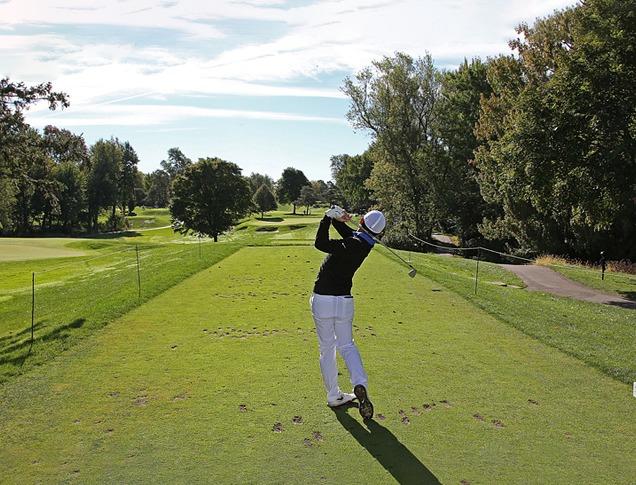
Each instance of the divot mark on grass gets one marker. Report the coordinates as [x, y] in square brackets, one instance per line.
[297, 420]
[478, 417]
[381, 417]
[277, 428]
[446, 403]
[113, 394]
[404, 418]
[242, 408]
[415, 410]
[173, 347]
[428, 407]
[180, 397]
[497, 423]
[140, 401]
[317, 435]
[308, 443]
[464, 482]
[532, 401]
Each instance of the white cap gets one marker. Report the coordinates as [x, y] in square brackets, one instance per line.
[374, 221]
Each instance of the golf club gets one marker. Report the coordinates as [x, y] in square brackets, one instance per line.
[412, 272]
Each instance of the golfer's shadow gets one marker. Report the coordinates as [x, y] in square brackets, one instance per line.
[386, 448]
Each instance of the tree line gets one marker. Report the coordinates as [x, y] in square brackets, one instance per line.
[533, 151]
[51, 181]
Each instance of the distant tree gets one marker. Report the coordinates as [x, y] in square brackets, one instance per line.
[321, 191]
[351, 174]
[139, 191]
[264, 199]
[307, 198]
[209, 197]
[290, 185]
[157, 186]
[72, 197]
[176, 163]
[103, 178]
[61, 146]
[257, 179]
[127, 177]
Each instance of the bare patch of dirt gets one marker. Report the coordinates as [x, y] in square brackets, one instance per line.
[297, 420]
[277, 428]
[242, 408]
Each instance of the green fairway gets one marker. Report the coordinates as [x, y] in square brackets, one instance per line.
[25, 248]
[189, 386]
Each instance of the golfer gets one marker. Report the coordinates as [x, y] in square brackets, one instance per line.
[332, 303]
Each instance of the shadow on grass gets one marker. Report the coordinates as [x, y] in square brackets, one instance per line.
[113, 235]
[382, 445]
[631, 305]
[630, 295]
[58, 333]
[270, 219]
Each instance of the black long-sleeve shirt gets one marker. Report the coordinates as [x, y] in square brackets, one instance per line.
[343, 259]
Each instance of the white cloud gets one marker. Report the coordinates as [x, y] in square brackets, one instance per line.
[150, 115]
[323, 37]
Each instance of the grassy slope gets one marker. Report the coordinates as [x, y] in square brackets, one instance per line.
[157, 393]
[75, 297]
[148, 218]
[600, 335]
[24, 248]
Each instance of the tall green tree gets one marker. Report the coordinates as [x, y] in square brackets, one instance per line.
[209, 197]
[460, 200]
[351, 174]
[176, 163]
[16, 139]
[71, 195]
[127, 177]
[257, 179]
[290, 185]
[103, 178]
[264, 199]
[395, 101]
[157, 189]
[559, 136]
[307, 198]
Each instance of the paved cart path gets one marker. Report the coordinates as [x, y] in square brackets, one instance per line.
[540, 278]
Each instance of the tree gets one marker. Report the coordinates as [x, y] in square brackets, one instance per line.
[256, 180]
[177, 162]
[103, 178]
[64, 146]
[157, 189]
[307, 198]
[16, 139]
[127, 177]
[264, 200]
[351, 174]
[209, 197]
[461, 202]
[290, 185]
[558, 134]
[395, 102]
[72, 197]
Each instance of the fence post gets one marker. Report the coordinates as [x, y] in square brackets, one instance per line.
[477, 270]
[138, 272]
[32, 305]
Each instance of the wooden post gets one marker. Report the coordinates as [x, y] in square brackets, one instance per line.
[32, 305]
[477, 269]
[138, 272]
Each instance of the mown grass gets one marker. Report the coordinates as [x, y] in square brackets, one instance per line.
[189, 387]
[73, 298]
[149, 218]
[603, 336]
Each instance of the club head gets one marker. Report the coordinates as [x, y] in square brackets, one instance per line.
[412, 273]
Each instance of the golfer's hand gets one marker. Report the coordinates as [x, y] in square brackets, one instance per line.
[346, 217]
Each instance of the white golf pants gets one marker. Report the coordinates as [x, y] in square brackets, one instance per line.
[333, 316]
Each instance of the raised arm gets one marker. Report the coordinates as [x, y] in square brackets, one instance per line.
[342, 228]
[323, 243]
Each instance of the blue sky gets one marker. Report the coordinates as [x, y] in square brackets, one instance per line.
[255, 82]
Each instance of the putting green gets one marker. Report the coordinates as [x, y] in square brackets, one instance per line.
[190, 387]
[24, 249]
